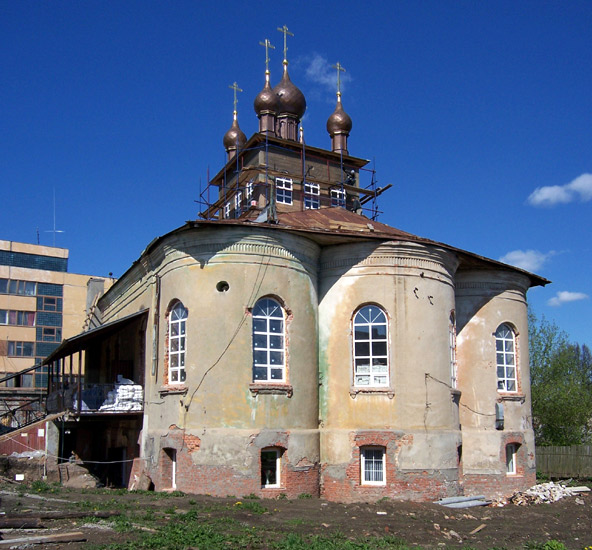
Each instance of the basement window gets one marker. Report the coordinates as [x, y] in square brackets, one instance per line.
[270, 468]
[169, 468]
[372, 466]
[511, 458]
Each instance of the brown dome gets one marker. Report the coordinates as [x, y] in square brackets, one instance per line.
[266, 100]
[291, 99]
[234, 137]
[339, 121]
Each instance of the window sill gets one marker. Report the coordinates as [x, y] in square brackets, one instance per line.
[173, 390]
[271, 389]
[390, 392]
[518, 397]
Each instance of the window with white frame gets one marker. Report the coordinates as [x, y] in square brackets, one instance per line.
[283, 190]
[177, 343]
[227, 210]
[511, 456]
[372, 466]
[370, 340]
[452, 346]
[312, 200]
[505, 348]
[337, 197]
[268, 341]
[270, 467]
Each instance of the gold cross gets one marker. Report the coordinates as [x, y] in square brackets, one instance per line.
[236, 89]
[285, 32]
[267, 45]
[340, 69]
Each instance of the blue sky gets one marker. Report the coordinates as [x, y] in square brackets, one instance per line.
[478, 113]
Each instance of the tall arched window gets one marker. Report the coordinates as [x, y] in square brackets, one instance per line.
[370, 347]
[505, 348]
[269, 358]
[177, 343]
[452, 349]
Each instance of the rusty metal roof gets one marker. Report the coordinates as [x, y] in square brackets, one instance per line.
[335, 225]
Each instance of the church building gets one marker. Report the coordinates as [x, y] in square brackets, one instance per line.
[286, 342]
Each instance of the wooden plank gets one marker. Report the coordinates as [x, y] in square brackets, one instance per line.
[74, 536]
[67, 515]
[20, 523]
[477, 529]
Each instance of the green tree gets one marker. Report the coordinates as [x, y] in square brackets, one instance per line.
[561, 384]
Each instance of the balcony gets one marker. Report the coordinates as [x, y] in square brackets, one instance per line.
[114, 398]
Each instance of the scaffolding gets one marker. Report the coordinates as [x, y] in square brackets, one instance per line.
[238, 188]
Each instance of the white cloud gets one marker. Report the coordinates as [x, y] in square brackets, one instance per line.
[564, 296]
[320, 71]
[530, 260]
[580, 188]
[582, 185]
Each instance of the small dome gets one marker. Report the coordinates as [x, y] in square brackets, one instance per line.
[266, 100]
[234, 137]
[291, 99]
[339, 121]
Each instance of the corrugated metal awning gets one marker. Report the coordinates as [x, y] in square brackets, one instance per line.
[81, 341]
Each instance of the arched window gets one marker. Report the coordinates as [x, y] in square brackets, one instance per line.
[177, 343]
[370, 347]
[511, 458]
[269, 358]
[505, 348]
[452, 349]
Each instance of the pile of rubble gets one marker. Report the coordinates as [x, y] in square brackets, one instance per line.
[545, 492]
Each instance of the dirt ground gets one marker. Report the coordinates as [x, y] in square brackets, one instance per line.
[424, 525]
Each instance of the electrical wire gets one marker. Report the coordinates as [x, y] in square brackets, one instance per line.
[63, 459]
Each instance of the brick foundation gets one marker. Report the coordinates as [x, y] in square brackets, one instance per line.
[343, 483]
[222, 480]
[334, 482]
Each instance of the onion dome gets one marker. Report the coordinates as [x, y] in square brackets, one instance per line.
[266, 100]
[339, 122]
[235, 137]
[291, 99]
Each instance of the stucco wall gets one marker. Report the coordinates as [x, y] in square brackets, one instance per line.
[486, 299]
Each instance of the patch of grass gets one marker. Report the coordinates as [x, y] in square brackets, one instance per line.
[186, 531]
[338, 541]
[549, 545]
[122, 524]
[304, 496]
[252, 496]
[40, 486]
[254, 507]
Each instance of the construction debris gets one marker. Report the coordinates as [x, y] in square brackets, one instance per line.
[545, 492]
[463, 502]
